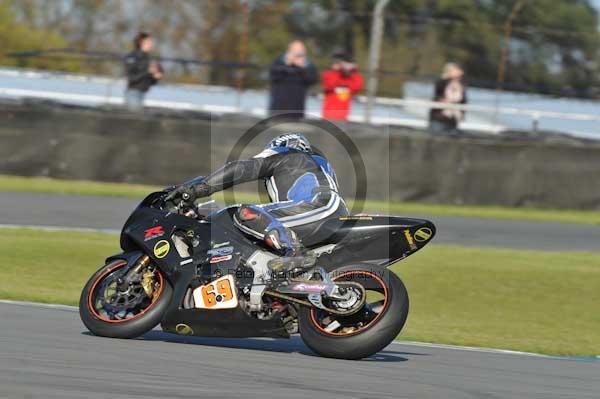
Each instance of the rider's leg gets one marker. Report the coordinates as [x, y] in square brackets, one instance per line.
[274, 222]
[257, 221]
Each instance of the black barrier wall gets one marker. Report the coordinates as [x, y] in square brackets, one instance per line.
[159, 147]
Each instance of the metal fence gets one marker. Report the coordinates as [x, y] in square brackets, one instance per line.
[95, 91]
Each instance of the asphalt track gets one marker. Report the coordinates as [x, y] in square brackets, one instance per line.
[47, 353]
[110, 213]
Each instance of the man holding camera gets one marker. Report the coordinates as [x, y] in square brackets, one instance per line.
[291, 75]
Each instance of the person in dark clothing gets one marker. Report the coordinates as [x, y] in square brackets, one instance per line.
[291, 75]
[142, 72]
[449, 89]
[302, 187]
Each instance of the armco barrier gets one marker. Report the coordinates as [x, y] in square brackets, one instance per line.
[160, 147]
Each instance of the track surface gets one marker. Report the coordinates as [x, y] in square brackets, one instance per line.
[111, 213]
[46, 353]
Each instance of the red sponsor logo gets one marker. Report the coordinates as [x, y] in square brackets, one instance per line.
[153, 232]
[218, 259]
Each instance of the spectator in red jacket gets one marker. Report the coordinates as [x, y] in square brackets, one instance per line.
[340, 84]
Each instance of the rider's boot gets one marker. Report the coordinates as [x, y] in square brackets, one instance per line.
[295, 260]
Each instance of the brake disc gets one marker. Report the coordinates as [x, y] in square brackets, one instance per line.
[123, 300]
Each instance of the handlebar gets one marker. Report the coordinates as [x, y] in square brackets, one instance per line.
[184, 204]
[175, 199]
[175, 203]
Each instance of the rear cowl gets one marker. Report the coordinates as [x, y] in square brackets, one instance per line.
[380, 240]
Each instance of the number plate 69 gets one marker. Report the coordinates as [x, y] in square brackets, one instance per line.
[218, 294]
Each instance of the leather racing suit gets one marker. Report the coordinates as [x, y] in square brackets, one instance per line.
[302, 187]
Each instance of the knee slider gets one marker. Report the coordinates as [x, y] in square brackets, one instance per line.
[247, 214]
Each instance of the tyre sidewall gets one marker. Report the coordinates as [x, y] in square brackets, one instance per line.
[374, 337]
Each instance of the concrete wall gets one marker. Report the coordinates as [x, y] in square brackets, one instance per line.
[401, 164]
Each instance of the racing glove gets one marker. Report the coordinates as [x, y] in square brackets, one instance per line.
[189, 192]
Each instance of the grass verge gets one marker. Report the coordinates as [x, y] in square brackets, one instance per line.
[512, 299]
[520, 300]
[78, 187]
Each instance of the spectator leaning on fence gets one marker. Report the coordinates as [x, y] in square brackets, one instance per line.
[449, 89]
[142, 72]
[291, 75]
[340, 84]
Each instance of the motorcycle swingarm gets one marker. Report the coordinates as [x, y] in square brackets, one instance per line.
[304, 286]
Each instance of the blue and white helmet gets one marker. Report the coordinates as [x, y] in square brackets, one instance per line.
[291, 140]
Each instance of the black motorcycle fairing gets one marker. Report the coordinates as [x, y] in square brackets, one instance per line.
[138, 215]
[378, 240]
[228, 323]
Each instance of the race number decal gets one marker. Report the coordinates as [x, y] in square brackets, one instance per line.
[219, 294]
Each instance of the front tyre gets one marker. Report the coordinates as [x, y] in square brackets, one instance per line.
[109, 311]
[366, 332]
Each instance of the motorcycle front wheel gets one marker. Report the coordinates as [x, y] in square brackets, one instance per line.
[110, 311]
[365, 332]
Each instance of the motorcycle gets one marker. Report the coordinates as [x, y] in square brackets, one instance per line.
[188, 267]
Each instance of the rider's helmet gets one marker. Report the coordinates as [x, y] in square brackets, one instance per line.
[296, 141]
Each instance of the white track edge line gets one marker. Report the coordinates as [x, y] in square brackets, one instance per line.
[59, 228]
[474, 349]
[40, 305]
[406, 343]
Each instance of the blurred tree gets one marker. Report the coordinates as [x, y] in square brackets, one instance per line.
[554, 43]
[554, 46]
[17, 36]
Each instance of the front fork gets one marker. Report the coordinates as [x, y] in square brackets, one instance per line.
[134, 274]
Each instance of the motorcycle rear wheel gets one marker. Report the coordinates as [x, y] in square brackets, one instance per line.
[128, 323]
[369, 330]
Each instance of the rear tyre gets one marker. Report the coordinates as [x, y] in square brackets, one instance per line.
[137, 313]
[368, 331]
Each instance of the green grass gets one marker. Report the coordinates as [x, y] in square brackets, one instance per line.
[512, 299]
[78, 187]
[75, 187]
[51, 267]
[520, 300]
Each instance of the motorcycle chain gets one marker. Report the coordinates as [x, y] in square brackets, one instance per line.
[290, 298]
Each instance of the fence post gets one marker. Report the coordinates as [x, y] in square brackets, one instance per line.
[241, 72]
[374, 53]
[536, 122]
[508, 26]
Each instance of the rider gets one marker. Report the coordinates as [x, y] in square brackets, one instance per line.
[302, 187]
